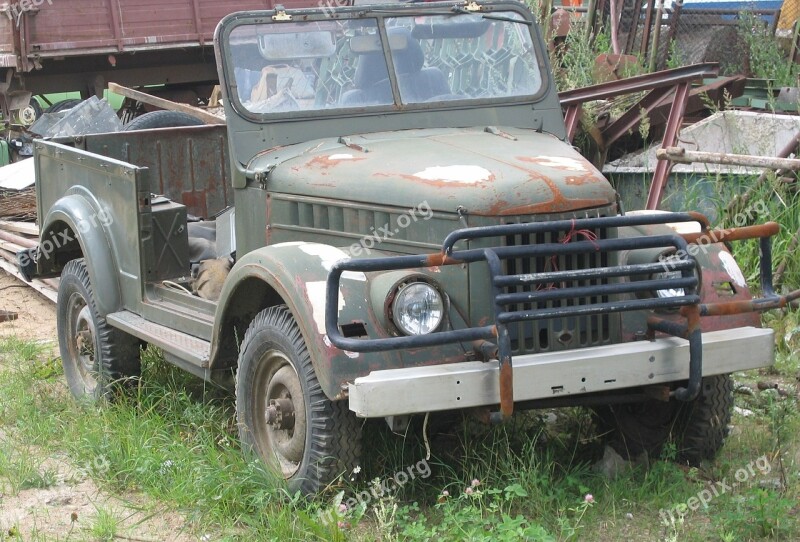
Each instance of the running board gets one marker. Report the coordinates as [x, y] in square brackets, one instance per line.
[185, 351]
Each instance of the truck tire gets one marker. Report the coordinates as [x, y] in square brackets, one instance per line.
[63, 105]
[283, 415]
[97, 358]
[698, 428]
[162, 119]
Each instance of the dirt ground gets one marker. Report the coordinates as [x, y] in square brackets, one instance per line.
[69, 506]
[36, 314]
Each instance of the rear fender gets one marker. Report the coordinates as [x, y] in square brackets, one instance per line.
[74, 228]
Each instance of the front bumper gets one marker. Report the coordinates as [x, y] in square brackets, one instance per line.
[559, 374]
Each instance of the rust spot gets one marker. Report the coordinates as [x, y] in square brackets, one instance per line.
[584, 179]
[439, 183]
[506, 389]
[552, 162]
[439, 258]
[692, 314]
[325, 161]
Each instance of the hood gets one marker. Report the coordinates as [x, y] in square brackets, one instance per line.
[488, 172]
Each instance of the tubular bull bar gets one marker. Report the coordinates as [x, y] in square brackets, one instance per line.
[689, 305]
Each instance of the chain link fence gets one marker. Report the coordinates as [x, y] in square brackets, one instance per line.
[675, 34]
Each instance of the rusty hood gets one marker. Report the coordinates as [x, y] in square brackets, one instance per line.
[487, 171]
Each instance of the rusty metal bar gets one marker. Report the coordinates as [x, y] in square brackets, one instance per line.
[648, 18]
[631, 40]
[665, 78]
[663, 167]
[753, 305]
[633, 116]
[682, 156]
[656, 36]
[759, 231]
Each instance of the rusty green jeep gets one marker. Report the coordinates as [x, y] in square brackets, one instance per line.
[391, 224]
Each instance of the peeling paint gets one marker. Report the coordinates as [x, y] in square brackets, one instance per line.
[455, 174]
[732, 268]
[560, 162]
[316, 296]
[329, 344]
[329, 256]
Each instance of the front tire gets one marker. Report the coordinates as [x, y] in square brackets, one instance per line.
[698, 428]
[284, 416]
[95, 355]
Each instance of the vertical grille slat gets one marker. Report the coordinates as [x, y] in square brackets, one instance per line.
[562, 333]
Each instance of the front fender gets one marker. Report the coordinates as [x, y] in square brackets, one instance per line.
[72, 219]
[295, 274]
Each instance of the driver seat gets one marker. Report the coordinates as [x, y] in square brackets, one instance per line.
[417, 83]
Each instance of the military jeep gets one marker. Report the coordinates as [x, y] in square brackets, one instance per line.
[391, 224]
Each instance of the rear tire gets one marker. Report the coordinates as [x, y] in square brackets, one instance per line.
[62, 105]
[96, 357]
[698, 428]
[284, 416]
[162, 119]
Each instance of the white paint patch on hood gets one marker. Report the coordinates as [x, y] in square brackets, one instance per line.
[561, 162]
[455, 174]
[329, 256]
[340, 157]
[289, 244]
[732, 268]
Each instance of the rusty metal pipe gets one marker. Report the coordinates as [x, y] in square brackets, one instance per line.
[759, 231]
[753, 305]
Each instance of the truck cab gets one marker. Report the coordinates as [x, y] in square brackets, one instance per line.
[410, 234]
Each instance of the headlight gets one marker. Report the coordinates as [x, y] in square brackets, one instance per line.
[417, 308]
[671, 275]
[669, 292]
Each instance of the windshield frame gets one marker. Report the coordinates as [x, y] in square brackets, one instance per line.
[380, 13]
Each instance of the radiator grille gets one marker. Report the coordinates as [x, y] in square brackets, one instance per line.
[560, 333]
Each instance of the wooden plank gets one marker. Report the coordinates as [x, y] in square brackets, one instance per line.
[11, 247]
[28, 228]
[47, 291]
[163, 103]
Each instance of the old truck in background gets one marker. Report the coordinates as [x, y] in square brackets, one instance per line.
[54, 46]
[394, 225]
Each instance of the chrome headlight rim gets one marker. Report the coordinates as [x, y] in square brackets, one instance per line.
[392, 304]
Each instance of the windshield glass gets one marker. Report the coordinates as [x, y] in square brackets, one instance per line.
[328, 65]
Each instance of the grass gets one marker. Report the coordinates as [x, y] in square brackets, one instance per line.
[175, 441]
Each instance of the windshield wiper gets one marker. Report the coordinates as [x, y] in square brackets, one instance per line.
[461, 9]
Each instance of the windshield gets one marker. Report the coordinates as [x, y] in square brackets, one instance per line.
[329, 65]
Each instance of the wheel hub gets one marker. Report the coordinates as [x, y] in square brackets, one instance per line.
[84, 341]
[280, 413]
